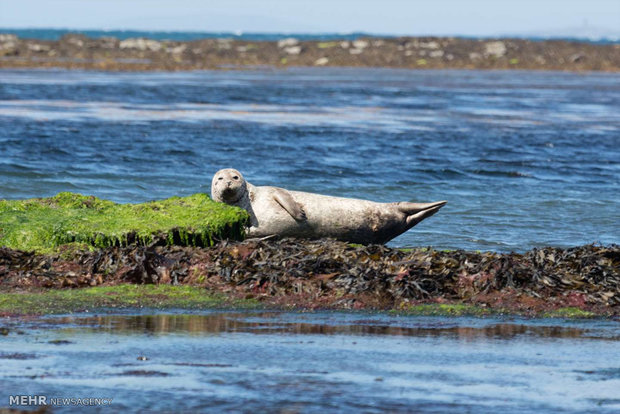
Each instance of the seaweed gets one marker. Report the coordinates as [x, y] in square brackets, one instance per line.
[312, 274]
[45, 224]
[52, 301]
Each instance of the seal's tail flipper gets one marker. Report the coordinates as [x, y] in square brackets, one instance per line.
[416, 212]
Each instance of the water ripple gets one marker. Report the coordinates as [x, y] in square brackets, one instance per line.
[523, 160]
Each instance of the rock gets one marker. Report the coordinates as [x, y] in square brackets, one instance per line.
[108, 42]
[475, 56]
[293, 50]
[288, 42]
[429, 45]
[75, 40]
[577, 57]
[345, 45]
[436, 53]
[177, 50]
[358, 47]
[8, 48]
[540, 60]
[6, 37]
[360, 44]
[409, 52]
[378, 43]
[224, 43]
[321, 61]
[140, 43]
[8, 44]
[495, 49]
[36, 47]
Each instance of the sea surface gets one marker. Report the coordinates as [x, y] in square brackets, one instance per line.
[524, 159]
[56, 34]
[314, 363]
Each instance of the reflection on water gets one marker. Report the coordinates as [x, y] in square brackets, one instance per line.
[316, 362]
[271, 323]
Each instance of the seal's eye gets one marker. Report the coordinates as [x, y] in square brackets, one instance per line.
[236, 177]
[221, 178]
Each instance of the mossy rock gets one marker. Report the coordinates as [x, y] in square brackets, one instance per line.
[44, 224]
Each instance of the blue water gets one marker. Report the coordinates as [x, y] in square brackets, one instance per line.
[314, 363]
[56, 34]
[524, 158]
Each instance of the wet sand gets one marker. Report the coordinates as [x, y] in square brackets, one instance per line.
[139, 54]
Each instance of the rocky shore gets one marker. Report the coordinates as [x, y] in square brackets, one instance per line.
[327, 274]
[137, 54]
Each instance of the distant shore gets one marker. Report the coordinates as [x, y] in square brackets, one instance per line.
[75, 51]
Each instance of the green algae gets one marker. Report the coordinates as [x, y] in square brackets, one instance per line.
[569, 312]
[131, 296]
[446, 309]
[44, 224]
[462, 309]
[327, 45]
[56, 301]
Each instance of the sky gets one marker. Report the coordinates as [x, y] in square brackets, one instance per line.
[406, 17]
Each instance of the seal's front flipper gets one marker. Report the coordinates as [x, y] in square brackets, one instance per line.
[286, 200]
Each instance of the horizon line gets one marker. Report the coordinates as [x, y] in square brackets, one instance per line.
[240, 33]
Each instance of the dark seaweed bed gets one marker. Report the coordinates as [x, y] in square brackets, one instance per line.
[331, 274]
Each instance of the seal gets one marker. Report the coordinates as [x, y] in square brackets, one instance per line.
[275, 211]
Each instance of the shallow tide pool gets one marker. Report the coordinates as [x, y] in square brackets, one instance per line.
[314, 362]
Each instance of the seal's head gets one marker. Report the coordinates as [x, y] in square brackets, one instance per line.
[228, 186]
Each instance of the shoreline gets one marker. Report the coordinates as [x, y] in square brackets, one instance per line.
[303, 275]
[76, 51]
[145, 299]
